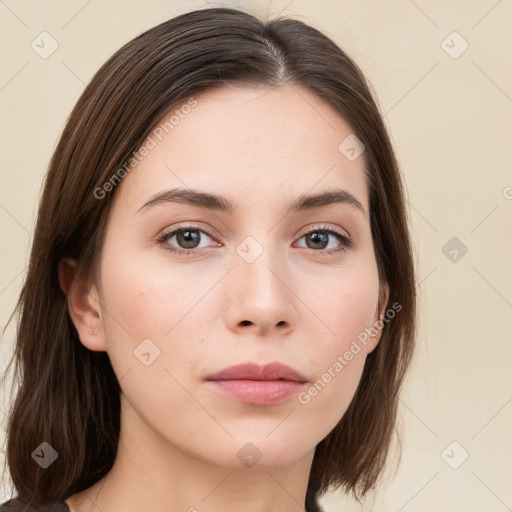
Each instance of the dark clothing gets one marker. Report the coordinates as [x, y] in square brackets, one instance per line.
[56, 506]
[14, 506]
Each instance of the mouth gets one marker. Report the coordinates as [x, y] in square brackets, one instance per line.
[256, 384]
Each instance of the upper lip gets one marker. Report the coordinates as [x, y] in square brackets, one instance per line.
[255, 371]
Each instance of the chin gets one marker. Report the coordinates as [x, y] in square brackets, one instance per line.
[263, 452]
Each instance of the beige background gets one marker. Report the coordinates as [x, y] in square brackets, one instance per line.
[450, 119]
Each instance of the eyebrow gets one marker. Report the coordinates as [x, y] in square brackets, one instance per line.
[218, 203]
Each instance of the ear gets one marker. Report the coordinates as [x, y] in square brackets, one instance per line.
[83, 305]
[378, 324]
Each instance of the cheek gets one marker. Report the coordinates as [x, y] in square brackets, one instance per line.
[148, 335]
[328, 397]
[141, 306]
[155, 325]
[339, 364]
[343, 303]
[348, 308]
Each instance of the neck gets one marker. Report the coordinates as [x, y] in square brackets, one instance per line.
[151, 473]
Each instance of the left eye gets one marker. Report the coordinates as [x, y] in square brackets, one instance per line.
[321, 237]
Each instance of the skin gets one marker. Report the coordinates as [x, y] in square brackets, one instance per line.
[295, 303]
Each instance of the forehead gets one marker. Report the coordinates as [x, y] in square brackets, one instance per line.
[247, 143]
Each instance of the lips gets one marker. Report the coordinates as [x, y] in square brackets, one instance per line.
[254, 371]
[254, 384]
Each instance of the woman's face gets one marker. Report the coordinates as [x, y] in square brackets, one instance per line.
[256, 283]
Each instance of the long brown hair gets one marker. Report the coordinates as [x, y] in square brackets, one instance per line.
[68, 395]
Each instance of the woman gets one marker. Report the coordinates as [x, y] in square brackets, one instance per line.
[220, 305]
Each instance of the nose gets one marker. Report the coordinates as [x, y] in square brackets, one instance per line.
[260, 298]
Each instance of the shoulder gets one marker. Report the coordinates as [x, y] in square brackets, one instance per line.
[15, 506]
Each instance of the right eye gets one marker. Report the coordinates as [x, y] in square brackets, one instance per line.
[188, 239]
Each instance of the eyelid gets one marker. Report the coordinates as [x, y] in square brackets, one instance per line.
[326, 227]
[344, 237]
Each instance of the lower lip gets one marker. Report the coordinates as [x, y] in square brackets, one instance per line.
[258, 392]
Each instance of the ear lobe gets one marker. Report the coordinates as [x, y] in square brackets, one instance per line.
[83, 305]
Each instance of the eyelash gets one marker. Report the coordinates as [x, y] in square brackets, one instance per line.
[345, 241]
